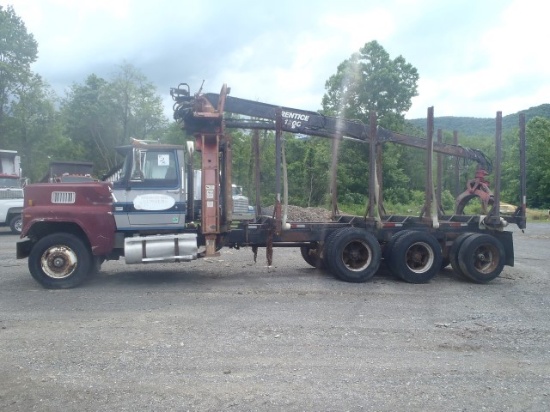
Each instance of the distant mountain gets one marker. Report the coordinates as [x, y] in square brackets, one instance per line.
[474, 126]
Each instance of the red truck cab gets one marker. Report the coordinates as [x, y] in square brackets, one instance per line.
[65, 226]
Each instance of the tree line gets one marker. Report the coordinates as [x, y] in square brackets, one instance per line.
[99, 114]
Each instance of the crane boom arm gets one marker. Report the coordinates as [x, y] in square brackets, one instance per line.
[263, 116]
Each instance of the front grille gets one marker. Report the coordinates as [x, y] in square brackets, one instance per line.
[240, 205]
[63, 197]
[11, 194]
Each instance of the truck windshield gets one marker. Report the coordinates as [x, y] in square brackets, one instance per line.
[159, 165]
[11, 182]
[154, 167]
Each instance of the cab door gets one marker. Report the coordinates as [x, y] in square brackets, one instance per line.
[151, 195]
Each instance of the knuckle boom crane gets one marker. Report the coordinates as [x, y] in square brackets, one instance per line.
[263, 116]
[69, 229]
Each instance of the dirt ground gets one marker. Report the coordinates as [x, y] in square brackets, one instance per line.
[231, 334]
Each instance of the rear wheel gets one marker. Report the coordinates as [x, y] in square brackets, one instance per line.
[453, 254]
[481, 258]
[325, 247]
[311, 255]
[60, 261]
[415, 257]
[16, 224]
[389, 246]
[353, 254]
[316, 256]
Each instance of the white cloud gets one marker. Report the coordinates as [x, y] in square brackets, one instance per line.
[516, 43]
[355, 29]
[503, 67]
[473, 57]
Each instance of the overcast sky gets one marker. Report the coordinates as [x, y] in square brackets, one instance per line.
[474, 57]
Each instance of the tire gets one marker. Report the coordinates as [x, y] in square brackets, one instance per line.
[315, 256]
[481, 258]
[311, 256]
[60, 261]
[389, 246]
[16, 224]
[416, 257]
[325, 247]
[353, 255]
[453, 254]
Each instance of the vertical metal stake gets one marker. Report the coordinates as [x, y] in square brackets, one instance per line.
[522, 171]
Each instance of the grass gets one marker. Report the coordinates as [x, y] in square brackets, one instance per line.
[414, 210]
[537, 215]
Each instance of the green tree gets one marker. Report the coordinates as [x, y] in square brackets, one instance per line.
[139, 108]
[33, 124]
[241, 153]
[102, 115]
[18, 50]
[267, 168]
[316, 167]
[370, 81]
[90, 119]
[538, 170]
[510, 182]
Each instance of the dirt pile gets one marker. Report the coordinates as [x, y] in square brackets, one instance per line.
[302, 214]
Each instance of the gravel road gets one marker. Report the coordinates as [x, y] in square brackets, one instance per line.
[231, 334]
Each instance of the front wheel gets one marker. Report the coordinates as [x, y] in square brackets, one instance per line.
[16, 224]
[60, 261]
[353, 255]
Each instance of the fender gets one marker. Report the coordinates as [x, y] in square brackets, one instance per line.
[54, 208]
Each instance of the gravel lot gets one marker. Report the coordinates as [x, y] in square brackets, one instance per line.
[231, 334]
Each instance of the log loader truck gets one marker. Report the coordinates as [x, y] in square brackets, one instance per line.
[70, 229]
